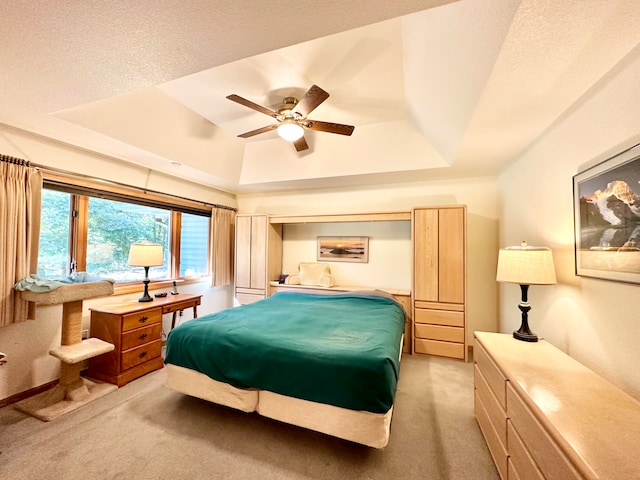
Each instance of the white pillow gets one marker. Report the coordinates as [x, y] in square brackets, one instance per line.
[313, 273]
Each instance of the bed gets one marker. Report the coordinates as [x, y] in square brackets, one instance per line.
[329, 363]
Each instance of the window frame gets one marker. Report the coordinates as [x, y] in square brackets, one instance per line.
[82, 189]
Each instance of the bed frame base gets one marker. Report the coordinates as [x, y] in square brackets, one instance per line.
[370, 429]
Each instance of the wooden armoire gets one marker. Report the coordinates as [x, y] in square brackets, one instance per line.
[439, 281]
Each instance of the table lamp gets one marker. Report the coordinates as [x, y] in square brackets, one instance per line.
[146, 255]
[526, 265]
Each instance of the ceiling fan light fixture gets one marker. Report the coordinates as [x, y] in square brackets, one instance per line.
[290, 131]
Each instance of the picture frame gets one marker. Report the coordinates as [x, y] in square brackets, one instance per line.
[606, 204]
[343, 249]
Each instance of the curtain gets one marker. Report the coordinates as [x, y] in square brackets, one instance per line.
[20, 205]
[222, 225]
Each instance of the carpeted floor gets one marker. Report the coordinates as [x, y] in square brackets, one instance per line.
[145, 431]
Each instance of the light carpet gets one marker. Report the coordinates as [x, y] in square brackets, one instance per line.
[146, 431]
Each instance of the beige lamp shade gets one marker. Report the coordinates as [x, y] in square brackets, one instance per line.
[146, 255]
[526, 265]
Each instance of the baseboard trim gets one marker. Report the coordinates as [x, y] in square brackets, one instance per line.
[27, 393]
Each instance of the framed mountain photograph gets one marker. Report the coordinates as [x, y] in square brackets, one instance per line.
[607, 218]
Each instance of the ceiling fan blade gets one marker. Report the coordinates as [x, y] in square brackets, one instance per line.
[258, 131]
[300, 144]
[314, 97]
[250, 104]
[329, 127]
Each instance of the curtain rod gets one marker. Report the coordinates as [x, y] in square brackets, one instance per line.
[16, 161]
[44, 168]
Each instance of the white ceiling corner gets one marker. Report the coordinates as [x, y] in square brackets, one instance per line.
[433, 88]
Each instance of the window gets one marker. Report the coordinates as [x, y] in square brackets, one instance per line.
[54, 253]
[114, 226]
[87, 230]
[193, 242]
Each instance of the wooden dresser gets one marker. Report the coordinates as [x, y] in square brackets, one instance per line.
[135, 328]
[546, 416]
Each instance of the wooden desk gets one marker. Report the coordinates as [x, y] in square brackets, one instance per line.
[135, 328]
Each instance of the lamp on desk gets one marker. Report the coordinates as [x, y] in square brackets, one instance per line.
[526, 265]
[146, 255]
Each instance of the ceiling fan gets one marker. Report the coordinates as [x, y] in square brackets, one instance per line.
[292, 117]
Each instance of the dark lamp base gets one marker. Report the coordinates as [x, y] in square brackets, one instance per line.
[524, 333]
[145, 296]
[524, 336]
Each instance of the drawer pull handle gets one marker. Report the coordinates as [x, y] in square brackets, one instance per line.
[143, 319]
[142, 354]
[142, 337]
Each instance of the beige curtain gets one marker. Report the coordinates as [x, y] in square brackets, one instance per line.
[20, 205]
[222, 235]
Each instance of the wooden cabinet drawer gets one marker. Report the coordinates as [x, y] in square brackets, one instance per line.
[496, 413]
[141, 354]
[497, 450]
[492, 374]
[245, 298]
[522, 463]
[439, 332]
[436, 347]
[513, 474]
[139, 336]
[543, 449]
[139, 319]
[439, 317]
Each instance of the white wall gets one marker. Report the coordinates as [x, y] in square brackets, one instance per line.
[595, 321]
[389, 252]
[27, 344]
[482, 222]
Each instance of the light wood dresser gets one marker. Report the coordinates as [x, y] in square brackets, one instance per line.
[135, 329]
[546, 416]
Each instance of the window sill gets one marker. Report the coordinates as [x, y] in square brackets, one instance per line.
[155, 285]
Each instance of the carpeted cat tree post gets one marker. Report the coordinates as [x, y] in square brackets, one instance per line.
[72, 391]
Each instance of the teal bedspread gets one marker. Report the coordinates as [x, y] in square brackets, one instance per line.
[341, 350]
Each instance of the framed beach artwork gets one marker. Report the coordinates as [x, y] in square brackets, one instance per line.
[343, 249]
[607, 218]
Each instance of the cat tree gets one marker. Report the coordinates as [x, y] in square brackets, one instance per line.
[73, 390]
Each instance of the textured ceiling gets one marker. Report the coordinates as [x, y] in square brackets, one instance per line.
[435, 89]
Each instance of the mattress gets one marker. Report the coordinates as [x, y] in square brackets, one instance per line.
[340, 350]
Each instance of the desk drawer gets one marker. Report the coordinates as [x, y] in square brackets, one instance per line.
[439, 317]
[177, 306]
[140, 336]
[491, 373]
[136, 320]
[543, 449]
[141, 354]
